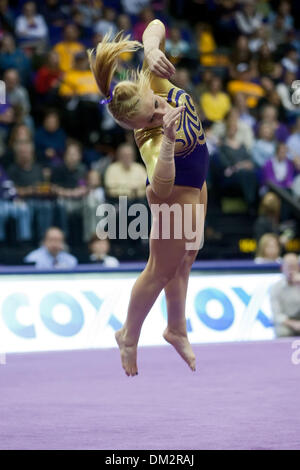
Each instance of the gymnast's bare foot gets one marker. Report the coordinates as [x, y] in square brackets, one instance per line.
[128, 354]
[182, 346]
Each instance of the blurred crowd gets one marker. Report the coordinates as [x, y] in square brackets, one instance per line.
[61, 154]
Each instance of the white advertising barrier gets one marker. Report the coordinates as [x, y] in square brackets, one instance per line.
[79, 311]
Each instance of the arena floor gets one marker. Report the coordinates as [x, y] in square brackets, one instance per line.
[242, 396]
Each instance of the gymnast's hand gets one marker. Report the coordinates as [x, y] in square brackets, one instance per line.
[159, 64]
[170, 122]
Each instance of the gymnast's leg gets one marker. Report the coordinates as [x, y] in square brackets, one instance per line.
[175, 292]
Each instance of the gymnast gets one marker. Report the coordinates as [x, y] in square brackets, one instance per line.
[172, 145]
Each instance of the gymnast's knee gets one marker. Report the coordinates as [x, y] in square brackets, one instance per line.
[162, 187]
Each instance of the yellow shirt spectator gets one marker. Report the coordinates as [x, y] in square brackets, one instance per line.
[215, 106]
[78, 82]
[66, 52]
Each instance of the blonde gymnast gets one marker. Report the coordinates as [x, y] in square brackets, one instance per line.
[172, 144]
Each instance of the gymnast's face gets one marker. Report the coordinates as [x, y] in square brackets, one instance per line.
[153, 108]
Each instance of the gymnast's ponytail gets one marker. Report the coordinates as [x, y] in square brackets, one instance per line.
[123, 99]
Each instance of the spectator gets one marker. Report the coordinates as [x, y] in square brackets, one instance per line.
[52, 254]
[237, 166]
[99, 249]
[50, 140]
[12, 57]
[284, 91]
[293, 145]
[69, 184]
[244, 83]
[145, 17]
[176, 47]
[244, 134]
[31, 27]
[124, 24]
[6, 17]
[48, 77]
[31, 187]
[268, 249]
[107, 24]
[19, 132]
[285, 298]
[248, 20]
[241, 54]
[125, 177]
[265, 61]
[94, 197]
[134, 8]
[12, 207]
[269, 115]
[81, 95]
[279, 169]
[290, 60]
[268, 216]
[215, 103]
[264, 147]
[68, 47]
[240, 104]
[18, 97]
[52, 10]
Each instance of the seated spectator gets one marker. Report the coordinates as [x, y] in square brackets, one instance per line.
[290, 60]
[261, 37]
[284, 11]
[176, 47]
[293, 145]
[264, 147]
[94, 197]
[50, 140]
[146, 15]
[285, 298]
[81, 95]
[182, 79]
[134, 8]
[69, 184]
[266, 62]
[244, 134]
[48, 77]
[52, 254]
[124, 24]
[107, 23]
[205, 40]
[31, 187]
[79, 80]
[19, 132]
[243, 83]
[12, 57]
[12, 207]
[284, 91]
[7, 121]
[99, 249]
[240, 104]
[18, 97]
[237, 166]
[215, 103]
[248, 19]
[279, 169]
[125, 177]
[268, 216]
[68, 47]
[88, 11]
[268, 249]
[6, 17]
[52, 10]
[241, 54]
[269, 115]
[31, 27]
[278, 30]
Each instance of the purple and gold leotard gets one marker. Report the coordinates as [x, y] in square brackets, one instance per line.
[191, 154]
